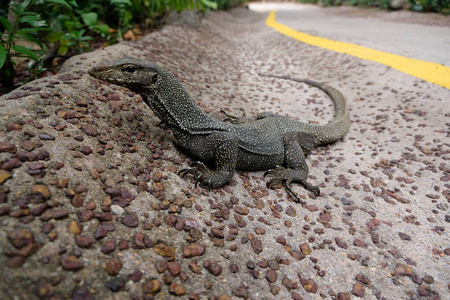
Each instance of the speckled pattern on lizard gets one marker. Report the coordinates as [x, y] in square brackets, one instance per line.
[270, 142]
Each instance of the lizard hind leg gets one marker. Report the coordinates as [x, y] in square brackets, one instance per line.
[296, 145]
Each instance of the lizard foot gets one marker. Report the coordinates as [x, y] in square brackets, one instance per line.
[204, 176]
[288, 176]
[193, 169]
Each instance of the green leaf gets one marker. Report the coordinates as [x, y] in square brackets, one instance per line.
[90, 18]
[54, 36]
[62, 2]
[34, 21]
[103, 28]
[121, 2]
[210, 4]
[73, 3]
[63, 47]
[2, 56]
[27, 52]
[25, 4]
[32, 38]
[18, 9]
[68, 36]
[62, 50]
[28, 30]
[6, 24]
[86, 38]
[29, 13]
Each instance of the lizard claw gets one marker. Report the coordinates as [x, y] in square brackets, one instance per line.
[184, 172]
[312, 188]
[209, 185]
[201, 174]
[280, 174]
[288, 188]
[198, 164]
[192, 169]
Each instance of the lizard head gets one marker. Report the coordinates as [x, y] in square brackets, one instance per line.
[137, 75]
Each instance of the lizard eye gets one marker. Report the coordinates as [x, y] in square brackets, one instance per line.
[130, 69]
[154, 78]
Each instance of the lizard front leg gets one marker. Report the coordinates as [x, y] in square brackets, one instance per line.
[223, 149]
[296, 144]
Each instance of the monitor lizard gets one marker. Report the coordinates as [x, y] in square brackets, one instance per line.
[270, 142]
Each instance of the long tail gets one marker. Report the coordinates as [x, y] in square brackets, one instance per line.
[336, 129]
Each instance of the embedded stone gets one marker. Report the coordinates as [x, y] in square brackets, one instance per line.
[71, 263]
[75, 227]
[85, 215]
[28, 145]
[152, 287]
[309, 285]
[403, 270]
[86, 150]
[257, 246]
[89, 130]
[358, 289]
[164, 250]
[11, 164]
[241, 210]
[39, 193]
[161, 266]
[113, 266]
[305, 248]
[56, 213]
[194, 249]
[46, 137]
[271, 276]
[174, 268]
[108, 247]
[213, 267]
[7, 147]
[116, 284]
[84, 241]
[177, 289]
[130, 220]
[4, 175]
[26, 156]
[20, 238]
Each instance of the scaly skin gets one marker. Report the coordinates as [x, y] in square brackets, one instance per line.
[270, 142]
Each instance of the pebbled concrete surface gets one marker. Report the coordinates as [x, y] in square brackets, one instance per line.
[91, 205]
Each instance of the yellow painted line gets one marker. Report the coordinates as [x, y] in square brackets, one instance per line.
[427, 71]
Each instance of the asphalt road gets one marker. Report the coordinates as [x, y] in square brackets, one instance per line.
[429, 43]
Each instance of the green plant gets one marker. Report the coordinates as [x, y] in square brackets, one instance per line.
[77, 40]
[122, 7]
[71, 25]
[442, 6]
[32, 24]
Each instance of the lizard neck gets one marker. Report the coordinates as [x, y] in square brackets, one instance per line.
[173, 106]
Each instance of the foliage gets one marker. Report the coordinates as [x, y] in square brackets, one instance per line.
[367, 3]
[31, 25]
[442, 6]
[71, 25]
